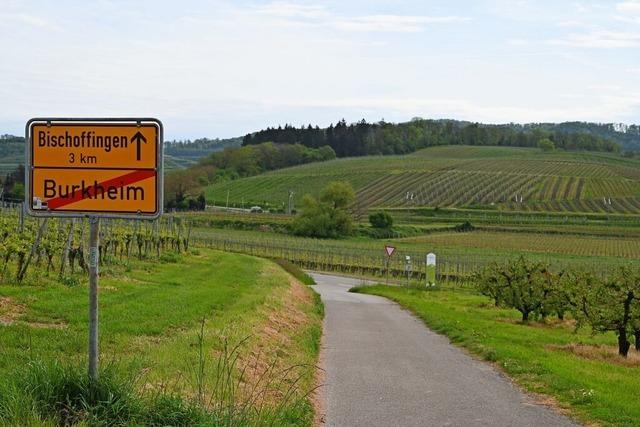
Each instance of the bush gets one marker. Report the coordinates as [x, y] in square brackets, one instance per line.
[464, 227]
[170, 257]
[327, 216]
[546, 144]
[381, 220]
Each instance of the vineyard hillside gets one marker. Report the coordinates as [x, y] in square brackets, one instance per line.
[500, 178]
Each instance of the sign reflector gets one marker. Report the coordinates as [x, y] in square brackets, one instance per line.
[94, 167]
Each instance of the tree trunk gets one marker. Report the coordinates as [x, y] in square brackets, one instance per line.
[34, 248]
[623, 342]
[67, 248]
[525, 316]
[636, 334]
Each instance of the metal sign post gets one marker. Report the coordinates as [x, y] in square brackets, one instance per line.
[95, 168]
[389, 250]
[94, 261]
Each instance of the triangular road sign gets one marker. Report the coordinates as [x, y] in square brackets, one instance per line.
[389, 250]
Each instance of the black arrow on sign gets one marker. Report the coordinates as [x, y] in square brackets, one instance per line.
[138, 138]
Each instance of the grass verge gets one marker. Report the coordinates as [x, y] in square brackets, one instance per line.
[545, 358]
[295, 271]
[209, 338]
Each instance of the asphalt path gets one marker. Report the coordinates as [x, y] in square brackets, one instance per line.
[383, 367]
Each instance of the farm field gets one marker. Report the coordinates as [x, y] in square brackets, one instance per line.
[595, 246]
[581, 372]
[494, 178]
[459, 253]
[152, 315]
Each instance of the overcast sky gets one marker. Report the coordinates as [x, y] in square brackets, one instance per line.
[223, 68]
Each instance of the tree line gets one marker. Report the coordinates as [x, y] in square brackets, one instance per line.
[200, 147]
[183, 188]
[363, 138]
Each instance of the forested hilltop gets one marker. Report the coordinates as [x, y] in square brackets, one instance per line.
[200, 147]
[363, 138]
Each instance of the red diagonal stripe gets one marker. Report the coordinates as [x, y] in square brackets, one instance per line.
[117, 182]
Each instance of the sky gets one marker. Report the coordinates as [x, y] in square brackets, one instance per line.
[226, 68]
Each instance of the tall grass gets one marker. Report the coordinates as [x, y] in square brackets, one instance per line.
[295, 271]
[62, 394]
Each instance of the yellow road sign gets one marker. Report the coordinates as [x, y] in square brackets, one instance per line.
[95, 167]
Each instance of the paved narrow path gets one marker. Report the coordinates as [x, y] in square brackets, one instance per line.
[385, 368]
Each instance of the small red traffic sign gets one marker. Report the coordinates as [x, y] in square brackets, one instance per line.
[389, 250]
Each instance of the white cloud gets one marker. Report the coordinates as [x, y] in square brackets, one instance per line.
[629, 11]
[299, 14]
[600, 39]
[632, 7]
[293, 10]
[570, 23]
[608, 108]
[517, 42]
[28, 19]
[223, 68]
[394, 23]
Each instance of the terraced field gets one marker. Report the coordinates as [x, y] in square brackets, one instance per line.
[457, 176]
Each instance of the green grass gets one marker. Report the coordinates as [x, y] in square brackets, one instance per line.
[457, 176]
[593, 390]
[150, 318]
[295, 271]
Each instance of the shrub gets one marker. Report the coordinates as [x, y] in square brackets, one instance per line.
[381, 220]
[170, 257]
[464, 227]
[327, 216]
[546, 144]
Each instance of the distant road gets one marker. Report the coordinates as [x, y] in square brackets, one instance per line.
[385, 368]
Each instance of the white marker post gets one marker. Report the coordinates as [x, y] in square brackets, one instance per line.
[408, 267]
[431, 269]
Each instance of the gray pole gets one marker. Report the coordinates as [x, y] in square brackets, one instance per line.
[94, 257]
[21, 217]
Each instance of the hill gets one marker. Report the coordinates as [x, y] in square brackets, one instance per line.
[177, 154]
[628, 136]
[11, 153]
[496, 178]
[182, 154]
